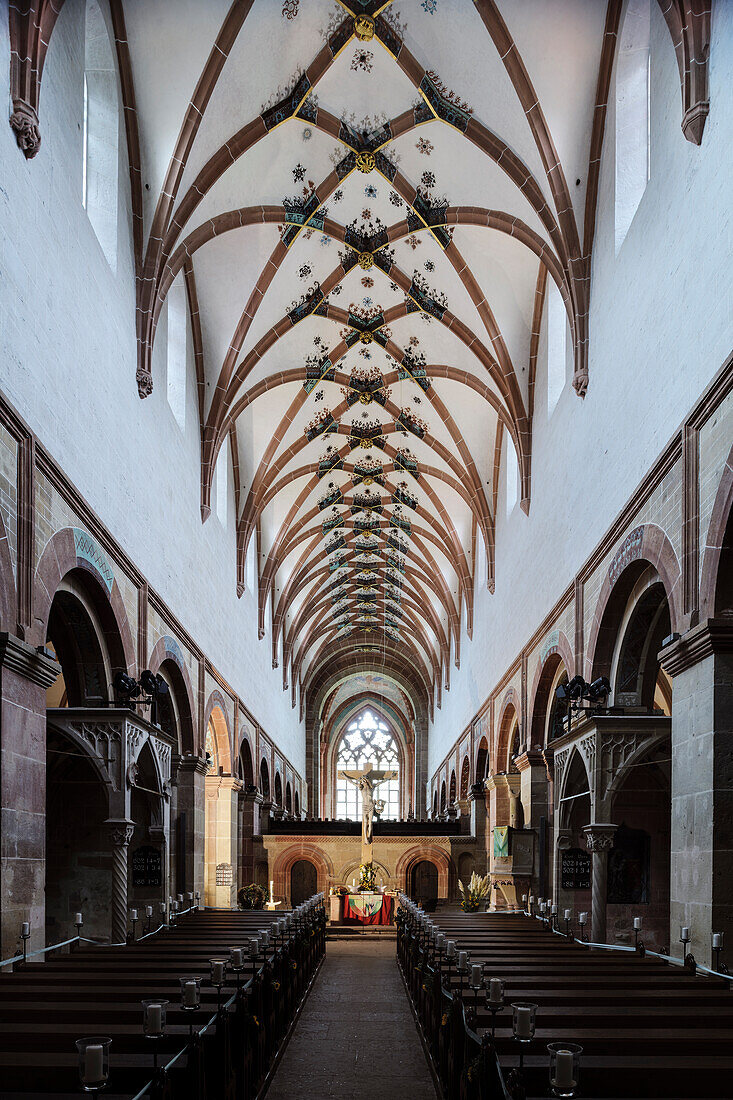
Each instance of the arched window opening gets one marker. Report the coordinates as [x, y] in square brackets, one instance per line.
[514, 750]
[265, 781]
[443, 798]
[452, 791]
[465, 777]
[633, 67]
[288, 799]
[221, 472]
[512, 475]
[557, 725]
[100, 132]
[435, 803]
[638, 671]
[211, 751]
[278, 789]
[367, 740]
[245, 764]
[177, 361]
[297, 805]
[557, 345]
[482, 760]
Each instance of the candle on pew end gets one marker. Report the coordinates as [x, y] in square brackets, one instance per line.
[495, 991]
[685, 934]
[463, 960]
[568, 914]
[476, 975]
[637, 924]
[25, 929]
[254, 947]
[148, 911]
[237, 956]
[94, 1064]
[583, 919]
[190, 995]
[717, 942]
[78, 919]
[564, 1066]
[133, 914]
[523, 1023]
[450, 949]
[217, 972]
[154, 1020]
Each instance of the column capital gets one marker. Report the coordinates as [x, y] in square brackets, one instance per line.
[120, 831]
[528, 759]
[504, 782]
[476, 792]
[599, 837]
[35, 664]
[252, 794]
[191, 762]
[712, 636]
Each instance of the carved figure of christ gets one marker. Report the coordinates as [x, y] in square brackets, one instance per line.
[367, 779]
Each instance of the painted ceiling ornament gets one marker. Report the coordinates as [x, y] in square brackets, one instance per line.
[366, 260]
[366, 337]
[363, 27]
[290, 9]
[365, 161]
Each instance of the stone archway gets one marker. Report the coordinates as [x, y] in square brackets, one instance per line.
[303, 881]
[221, 818]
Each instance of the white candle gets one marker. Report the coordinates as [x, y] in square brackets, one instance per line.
[523, 1023]
[154, 1020]
[133, 914]
[180, 899]
[217, 972]
[25, 928]
[78, 919]
[716, 940]
[272, 889]
[148, 910]
[531, 900]
[190, 995]
[94, 1064]
[568, 914]
[564, 1065]
[554, 910]
[190, 897]
[463, 960]
[476, 975]
[583, 918]
[637, 924]
[254, 946]
[440, 941]
[495, 991]
[524, 897]
[450, 949]
[685, 934]
[237, 956]
[265, 937]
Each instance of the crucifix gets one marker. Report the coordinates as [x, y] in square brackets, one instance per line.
[367, 779]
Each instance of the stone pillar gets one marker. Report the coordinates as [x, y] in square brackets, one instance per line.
[191, 802]
[701, 888]
[599, 838]
[120, 835]
[222, 801]
[479, 826]
[25, 673]
[250, 801]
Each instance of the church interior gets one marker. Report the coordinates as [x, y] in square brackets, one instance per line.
[366, 549]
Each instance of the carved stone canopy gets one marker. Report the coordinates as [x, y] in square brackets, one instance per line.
[599, 837]
[120, 832]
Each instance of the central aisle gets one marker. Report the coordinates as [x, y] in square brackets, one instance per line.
[356, 1038]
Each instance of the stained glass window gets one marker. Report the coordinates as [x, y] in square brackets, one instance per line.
[367, 740]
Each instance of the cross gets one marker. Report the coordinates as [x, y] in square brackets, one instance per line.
[367, 779]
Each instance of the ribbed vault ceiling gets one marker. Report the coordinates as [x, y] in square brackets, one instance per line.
[366, 206]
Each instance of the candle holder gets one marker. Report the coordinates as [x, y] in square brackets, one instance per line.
[94, 1063]
[524, 1015]
[78, 924]
[218, 973]
[494, 1000]
[717, 943]
[163, 910]
[190, 899]
[567, 916]
[684, 940]
[553, 917]
[154, 1023]
[582, 921]
[464, 960]
[133, 922]
[564, 1068]
[190, 999]
[476, 984]
[197, 897]
[25, 935]
[236, 963]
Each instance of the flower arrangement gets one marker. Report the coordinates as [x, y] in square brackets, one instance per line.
[478, 890]
[367, 877]
[251, 897]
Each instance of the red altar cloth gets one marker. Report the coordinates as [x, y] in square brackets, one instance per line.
[354, 911]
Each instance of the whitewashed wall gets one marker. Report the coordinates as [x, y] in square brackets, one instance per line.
[67, 362]
[661, 326]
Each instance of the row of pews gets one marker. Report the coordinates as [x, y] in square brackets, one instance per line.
[646, 1028]
[225, 1049]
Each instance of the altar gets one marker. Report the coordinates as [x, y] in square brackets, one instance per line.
[367, 908]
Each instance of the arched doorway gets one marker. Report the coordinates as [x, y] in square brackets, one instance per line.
[424, 883]
[303, 881]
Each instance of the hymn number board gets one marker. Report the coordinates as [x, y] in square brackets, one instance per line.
[575, 869]
[147, 867]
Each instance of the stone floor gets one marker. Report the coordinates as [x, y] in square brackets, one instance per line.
[356, 1038]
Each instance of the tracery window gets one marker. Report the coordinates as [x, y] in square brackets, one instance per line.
[367, 740]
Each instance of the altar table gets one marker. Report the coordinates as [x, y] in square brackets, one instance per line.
[367, 908]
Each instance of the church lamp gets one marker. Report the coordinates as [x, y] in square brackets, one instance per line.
[190, 998]
[494, 1000]
[564, 1068]
[93, 1062]
[154, 1023]
[79, 921]
[524, 1016]
[582, 921]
